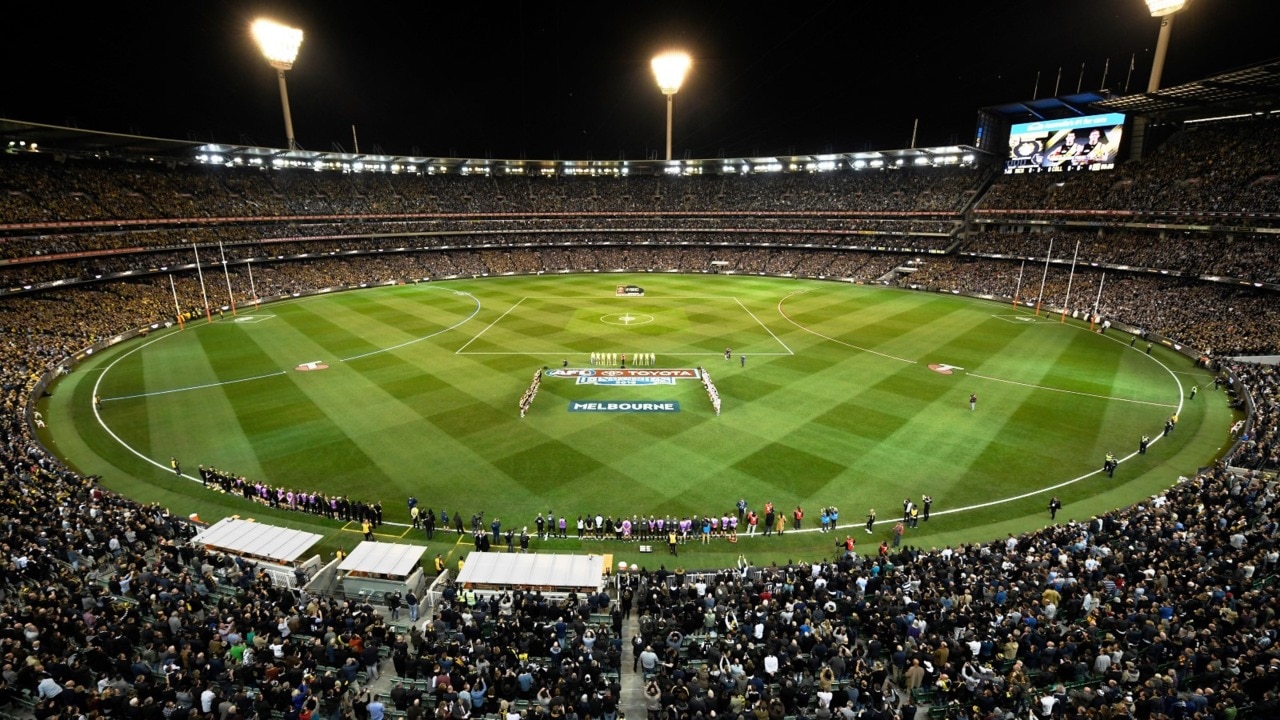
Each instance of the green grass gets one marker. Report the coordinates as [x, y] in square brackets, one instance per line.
[836, 406]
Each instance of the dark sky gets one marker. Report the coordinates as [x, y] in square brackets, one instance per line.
[571, 80]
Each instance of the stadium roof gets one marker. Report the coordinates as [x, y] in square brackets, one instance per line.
[17, 136]
[1251, 89]
[1050, 108]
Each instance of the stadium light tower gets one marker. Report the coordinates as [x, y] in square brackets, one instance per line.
[670, 69]
[279, 45]
[1163, 9]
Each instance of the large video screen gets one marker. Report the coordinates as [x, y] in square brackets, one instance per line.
[1065, 145]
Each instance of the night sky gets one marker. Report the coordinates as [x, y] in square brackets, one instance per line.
[571, 80]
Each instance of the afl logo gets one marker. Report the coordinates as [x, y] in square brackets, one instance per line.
[943, 369]
[314, 365]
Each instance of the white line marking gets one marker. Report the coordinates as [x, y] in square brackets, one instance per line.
[766, 328]
[486, 327]
[831, 339]
[1070, 392]
[193, 387]
[98, 415]
[666, 354]
[458, 324]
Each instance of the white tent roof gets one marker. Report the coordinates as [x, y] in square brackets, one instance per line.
[541, 570]
[391, 559]
[245, 537]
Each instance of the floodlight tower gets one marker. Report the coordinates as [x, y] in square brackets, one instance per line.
[1165, 10]
[279, 45]
[670, 69]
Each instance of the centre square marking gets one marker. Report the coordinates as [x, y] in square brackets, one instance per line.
[626, 319]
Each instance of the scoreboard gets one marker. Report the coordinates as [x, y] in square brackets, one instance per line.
[1091, 142]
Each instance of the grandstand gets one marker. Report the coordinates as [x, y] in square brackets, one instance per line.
[1163, 608]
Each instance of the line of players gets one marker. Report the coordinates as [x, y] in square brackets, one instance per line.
[654, 528]
[609, 359]
[527, 398]
[712, 392]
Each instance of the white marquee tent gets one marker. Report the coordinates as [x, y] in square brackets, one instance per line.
[538, 571]
[375, 569]
[390, 559]
[249, 539]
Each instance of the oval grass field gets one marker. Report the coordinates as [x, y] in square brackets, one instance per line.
[849, 396]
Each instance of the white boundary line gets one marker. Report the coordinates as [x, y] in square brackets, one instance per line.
[98, 415]
[966, 508]
[103, 373]
[1015, 498]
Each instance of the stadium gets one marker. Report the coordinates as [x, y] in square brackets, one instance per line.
[1047, 358]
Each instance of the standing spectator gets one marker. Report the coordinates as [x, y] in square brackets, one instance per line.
[412, 601]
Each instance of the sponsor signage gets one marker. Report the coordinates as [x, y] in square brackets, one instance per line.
[629, 291]
[631, 381]
[613, 406]
[678, 373]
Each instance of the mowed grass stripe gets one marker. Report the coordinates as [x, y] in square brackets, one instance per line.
[266, 416]
[668, 327]
[831, 425]
[330, 331]
[1045, 436]
[406, 317]
[1084, 365]
[277, 418]
[206, 356]
[969, 440]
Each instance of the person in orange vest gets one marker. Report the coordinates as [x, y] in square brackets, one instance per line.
[797, 516]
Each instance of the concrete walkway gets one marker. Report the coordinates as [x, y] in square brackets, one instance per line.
[631, 704]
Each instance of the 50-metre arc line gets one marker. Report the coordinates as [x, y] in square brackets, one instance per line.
[120, 441]
[1030, 493]
[474, 311]
[828, 338]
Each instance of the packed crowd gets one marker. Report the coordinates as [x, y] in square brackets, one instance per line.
[1259, 446]
[1243, 257]
[1163, 610]
[38, 189]
[1219, 319]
